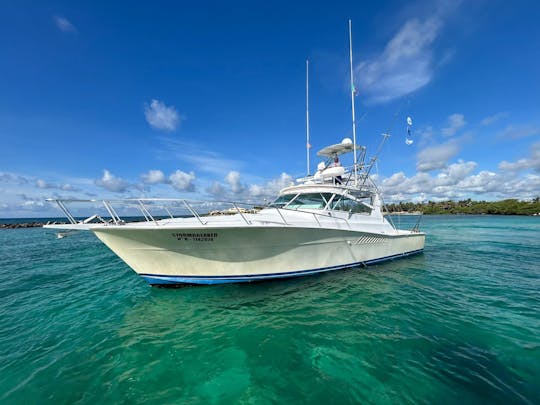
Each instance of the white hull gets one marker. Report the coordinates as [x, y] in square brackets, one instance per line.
[211, 255]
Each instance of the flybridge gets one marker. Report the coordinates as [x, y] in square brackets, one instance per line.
[353, 179]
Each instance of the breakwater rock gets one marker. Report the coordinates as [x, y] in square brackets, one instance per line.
[22, 225]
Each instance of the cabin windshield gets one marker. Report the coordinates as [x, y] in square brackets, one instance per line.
[341, 203]
[314, 201]
[282, 200]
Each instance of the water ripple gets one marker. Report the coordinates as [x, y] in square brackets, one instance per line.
[459, 323]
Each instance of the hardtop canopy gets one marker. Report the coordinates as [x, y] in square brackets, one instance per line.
[337, 149]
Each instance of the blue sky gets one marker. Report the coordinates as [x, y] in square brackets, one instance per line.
[177, 99]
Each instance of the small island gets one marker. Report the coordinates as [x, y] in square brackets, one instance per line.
[468, 207]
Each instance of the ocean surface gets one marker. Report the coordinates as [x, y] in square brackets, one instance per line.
[459, 323]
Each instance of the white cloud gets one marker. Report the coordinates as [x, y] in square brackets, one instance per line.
[236, 189]
[233, 180]
[40, 183]
[455, 173]
[203, 160]
[493, 118]
[394, 180]
[159, 116]
[436, 157]
[68, 187]
[511, 132]
[432, 187]
[31, 202]
[458, 180]
[182, 181]
[271, 188]
[211, 162]
[13, 178]
[455, 123]
[483, 182]
[425, 134]
[531, 162]
[64, 24]
[112, 183]
[405, 65]
[284, 180]
[216, 189]
[521, 164]
[153, 177]
[256, 190]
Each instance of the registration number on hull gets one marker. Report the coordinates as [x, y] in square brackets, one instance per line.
[195, 237]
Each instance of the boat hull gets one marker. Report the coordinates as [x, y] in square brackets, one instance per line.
[170, 256]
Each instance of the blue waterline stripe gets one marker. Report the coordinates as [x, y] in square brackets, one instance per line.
[156, 279]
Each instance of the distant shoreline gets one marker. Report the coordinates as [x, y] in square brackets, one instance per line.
[469, 207]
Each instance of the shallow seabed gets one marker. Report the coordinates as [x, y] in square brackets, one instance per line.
[457, 324]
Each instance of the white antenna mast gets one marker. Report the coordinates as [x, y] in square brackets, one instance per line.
[352, 105]
[308, 146]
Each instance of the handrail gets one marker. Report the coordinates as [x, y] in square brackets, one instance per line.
[242, 215]
[416, 227]
[195, 214]
[281, 215]
[144, 209]
[108, 207]
[148, 217]
[66, 211]
[169, 212]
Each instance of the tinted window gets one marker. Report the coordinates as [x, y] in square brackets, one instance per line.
[310, 201]
[282, 200]
[346, 204]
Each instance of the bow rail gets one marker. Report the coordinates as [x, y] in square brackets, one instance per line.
[118, 212]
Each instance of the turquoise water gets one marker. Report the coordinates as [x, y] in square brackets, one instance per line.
[457, 324]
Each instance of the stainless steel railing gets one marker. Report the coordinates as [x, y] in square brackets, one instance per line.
[169, 205]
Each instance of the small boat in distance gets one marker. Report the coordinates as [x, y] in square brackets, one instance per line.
[327, 221]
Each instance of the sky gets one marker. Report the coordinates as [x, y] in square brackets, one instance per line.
[206, 100]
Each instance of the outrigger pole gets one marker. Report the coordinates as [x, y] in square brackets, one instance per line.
[353, 91]
[308, 146]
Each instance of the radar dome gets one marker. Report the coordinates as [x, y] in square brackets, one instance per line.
[346, 141]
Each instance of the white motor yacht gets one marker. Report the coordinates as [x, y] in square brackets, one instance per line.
[324, 222]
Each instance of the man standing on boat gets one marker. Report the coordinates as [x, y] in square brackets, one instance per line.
[337, 163]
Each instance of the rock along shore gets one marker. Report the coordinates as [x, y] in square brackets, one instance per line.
[34, 224]
[22, 225]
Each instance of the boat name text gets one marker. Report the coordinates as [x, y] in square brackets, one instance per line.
[196, 237]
